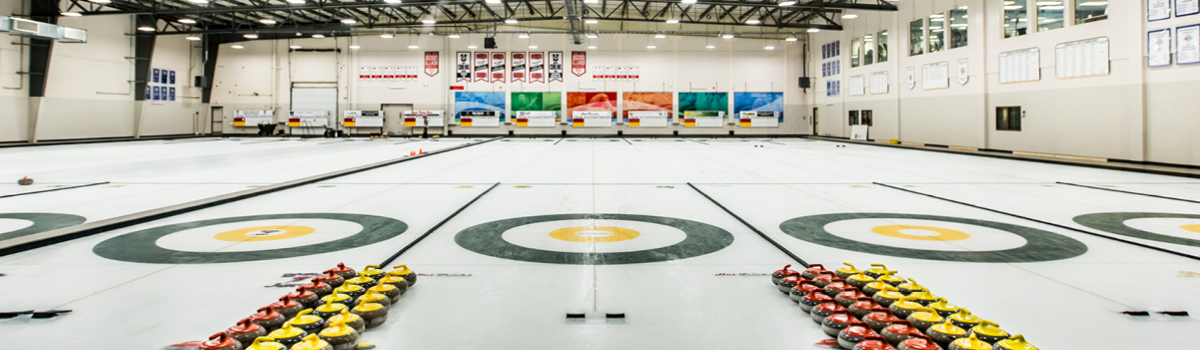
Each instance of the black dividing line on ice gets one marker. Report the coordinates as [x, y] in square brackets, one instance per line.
[1147, 246]
[53, 189]
[435, 227]
[752, 228]
[1128, 192]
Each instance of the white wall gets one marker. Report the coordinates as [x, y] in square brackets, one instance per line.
[678, 64]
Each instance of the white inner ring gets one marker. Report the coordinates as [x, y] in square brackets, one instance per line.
[982, 238]
[1166, 226]
[10, 225]
[201, 239]
[650, 236]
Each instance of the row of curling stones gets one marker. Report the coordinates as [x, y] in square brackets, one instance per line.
[318, 315]
[877, 310]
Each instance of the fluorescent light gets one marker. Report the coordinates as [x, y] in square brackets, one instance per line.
[511, 21]
[493, 1]
[593, 47]
[472, 47]
[710, 47]
[1053, 7]
[453, 36]
[959, 25]
[318, 36]
[295, 1]
[1094, 3]
[592, 36]
[145, 29]
[937, 15]
[429, 21]
[294, 47]
[937, 19]
[237, 47]
[355, 47]
[591, 21]
[412, 46]
[187, 21]
[660, 36]
[71, 14]
[790, 38]
[193, 38]
[533, 46]
[250, 36]
[198, 1]
[348, 21]
[386, 36]
[523, 36]
[1044, 3]
[672, 21]
[101, 1]
[849, 16]
[1010, 2]
[266, 21]
[769, 48]
[787, 3]
[753, 21]
[391, 1]
[651, 47]
[688, 1]
[813, 30]
[591, 1]
[727, 36]
[1013, 7]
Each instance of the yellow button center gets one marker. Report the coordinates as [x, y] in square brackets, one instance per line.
[594, 234]
[264, 233]
[943, 234]
[1193, 228]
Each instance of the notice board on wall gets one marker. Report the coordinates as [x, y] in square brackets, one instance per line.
[1078, 59]
[857, 85]
[1020, 66]
[879, 83]
[935, 76]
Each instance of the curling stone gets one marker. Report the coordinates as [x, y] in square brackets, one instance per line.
[863, 307]
[288, 335]
[847, 271]
[353, 290]
[989, 332]
[332, 279]
[342, 270]
[328, 310]
[965, 320]
[906, 306]
[1017, 342]
[350, 319]
[969, 343]
[944, 308]
[336, 298]
[925, 318]
[812, 299]
[312, 342]
[362, 281]
[893, 280]
[800, 290]
[286, 307]
[787, 283]
[813, 270]
[834, 288]
[372, 271]
[850, 296]
[945, 333]
[859, 281]
[245, 331]
[888, 296]
[396, 281]
[898, 332]
[918, 342]
[877, 270]
[875, 287]
[318, 287]
[387, 290]
[873, 343]
[221, 341]
[924, 298]
[268, 318]
[911, 287]
[403, 271]
[855, 334]
[25, 181]
[340, 335]
[825, 279]
[266, 343]
[878, 320]
[781, 273]
[820, 312]
[305, 297]
[834, 324]
[374, 298]
[374, 314]
[307, 321]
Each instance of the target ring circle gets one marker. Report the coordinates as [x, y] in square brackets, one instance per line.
[141, 247]
[42, 222]
[1040, 245]
[1115, 223]
[701, 239]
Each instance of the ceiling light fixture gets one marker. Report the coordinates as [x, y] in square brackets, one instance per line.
[145, 29]
[753, 21]
[412, 46]
[688, 1]
[591, 21]
[511, 21]
[710, 46]
[523, 36]
[386, 36]
[318, 36]
[787, 3]
[294, 47]
[790, 38]
[71, 14]
[237, 47]
[813, 30]
[769, 48]
[355, 47]
[533, 46]
[100, 1]
[250, 36]
[295, 1]
[849, 16]
[727, 36]
[592, 36]
[429, 21]
[472, 47]
[391, 1]
[660, 36]
[651, 47]
[193, 38]
[593, 47]
[348, 21]
[672, 21]
[198, 1]
[266, 21]
[187, 21]
[453, 36]
[493, 1]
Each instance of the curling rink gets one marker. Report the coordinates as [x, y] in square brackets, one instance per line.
[542, 230]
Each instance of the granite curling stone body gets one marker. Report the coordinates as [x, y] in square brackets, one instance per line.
[860, 280]
[847, 271]
[288, 334]
[877, 270]
[873, 343]
[778, 275]
[402, 271]
[308, 299]
[374, 314]
[945, 333]
[965, 320]
[812, 299]
[245, 331]
[312, 342]
[332, 279]
[267, 318]
[813, 271]
[362, 281]
[802, 289]
[307, 321]
[353, 290]
[880, 319]
[850, 297]
[391, 292]
[898, 332]
[286, 307]
[787, 283]
[266, 343]
[820, 312]
[918, 342]
[988, 331]
[350, 319]
[340, 335]
[374, 298]
[396, 281]
[328, 310]
[221, 341]
[1017, 342]
[852, 335]
[834, 324]
[969, 343]
[318, 287]
[924, 318]
[861, 308]
[342, 270]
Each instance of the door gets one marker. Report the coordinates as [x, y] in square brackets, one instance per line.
[814, 125]
[315, 97]
[216, 118]
[393, 118]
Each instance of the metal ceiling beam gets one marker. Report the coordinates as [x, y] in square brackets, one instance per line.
[573, 17]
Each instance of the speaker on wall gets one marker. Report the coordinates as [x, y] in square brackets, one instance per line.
[198, 81]
[489, 43]
[805, 82]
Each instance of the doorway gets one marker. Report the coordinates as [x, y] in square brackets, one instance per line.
[216, 118]
[393, 117]
[814, 124]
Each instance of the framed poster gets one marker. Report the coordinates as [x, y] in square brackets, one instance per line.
[171, 95]
[171, 77]
[1157, 10]
[1158, 48]
[1186, 7]
[154, 75]
[1187, 49]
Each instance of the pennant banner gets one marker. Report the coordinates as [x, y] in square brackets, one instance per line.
[578, 63]
[413, 71]
[556, 66]
[498, 62]
[432, 63]
[481, 66]
[610, 73]
[537, 71]
[376, 73]
[389, 73]
[518, 67]
[463, 67]
[633, 73]
[364, 73]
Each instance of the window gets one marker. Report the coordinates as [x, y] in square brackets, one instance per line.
[866, 117]
[853, 118]
[937, 32]
[916, 37]
[855, 52]
[1050, 15]
[1008, 118]
[1088, 11]
[868, 49]
[958, 27]
[1016, 21]
[881, 46]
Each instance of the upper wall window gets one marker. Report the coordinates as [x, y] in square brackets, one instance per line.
[916, 37]
[958, 27]
[937, 32]
[1016, 19]
[881, 45]
[855, 52]
[1088, 11]
[868, 49]
[1050, 15]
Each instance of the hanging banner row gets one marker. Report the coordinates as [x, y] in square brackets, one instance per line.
[400, 73]
[600, 109]
[493, 67]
